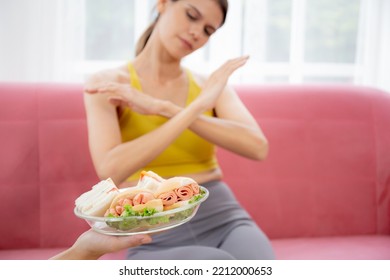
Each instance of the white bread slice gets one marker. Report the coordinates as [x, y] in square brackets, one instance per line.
[96, 201]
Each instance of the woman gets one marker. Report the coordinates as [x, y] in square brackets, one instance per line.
[162, 117]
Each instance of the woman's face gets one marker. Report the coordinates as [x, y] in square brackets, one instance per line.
[186, 25]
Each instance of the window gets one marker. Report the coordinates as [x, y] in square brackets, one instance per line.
[289, 41]
[109, 29]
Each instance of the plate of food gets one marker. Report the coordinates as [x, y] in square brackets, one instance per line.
[154, 205]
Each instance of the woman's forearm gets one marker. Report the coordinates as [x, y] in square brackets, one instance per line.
[233, 136]
[129, 157]
[241, 139]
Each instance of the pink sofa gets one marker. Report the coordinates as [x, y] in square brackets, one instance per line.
[323, 192]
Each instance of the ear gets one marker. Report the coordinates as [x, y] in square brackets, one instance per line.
[161, 5]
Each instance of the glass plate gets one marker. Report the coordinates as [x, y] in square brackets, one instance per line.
[139, 225]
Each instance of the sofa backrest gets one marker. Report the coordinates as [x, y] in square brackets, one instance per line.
[45, 164]
[328, 171]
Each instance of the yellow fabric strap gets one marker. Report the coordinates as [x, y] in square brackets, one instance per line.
[134, 79]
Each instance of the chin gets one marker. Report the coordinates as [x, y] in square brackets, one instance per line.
[179, 54]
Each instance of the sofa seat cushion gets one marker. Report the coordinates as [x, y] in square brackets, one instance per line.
[364, 247]
[47, 253]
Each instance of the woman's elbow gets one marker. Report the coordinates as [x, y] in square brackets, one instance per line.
[261, 153]
[104, 172]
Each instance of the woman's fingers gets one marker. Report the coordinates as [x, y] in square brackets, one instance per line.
[124, 242]
[103, 88]
[238, 61]
[125, 95]
[110, 88]
[221, 75]
[233, 64]
[90, 90]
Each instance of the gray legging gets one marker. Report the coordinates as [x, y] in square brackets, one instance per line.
[220, 230]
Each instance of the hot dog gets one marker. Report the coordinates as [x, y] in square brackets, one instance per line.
[131, 197]
[176, 189]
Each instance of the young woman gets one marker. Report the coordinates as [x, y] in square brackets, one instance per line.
[153, 114]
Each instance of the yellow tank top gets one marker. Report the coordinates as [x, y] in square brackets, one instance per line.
[189, 153]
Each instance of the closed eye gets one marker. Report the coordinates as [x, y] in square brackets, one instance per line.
[209, 30]
[192, 16]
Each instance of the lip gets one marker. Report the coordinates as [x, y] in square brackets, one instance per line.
[186, 43]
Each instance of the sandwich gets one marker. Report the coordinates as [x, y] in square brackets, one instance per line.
[133, 200]
[152, 195]
[176, 192]
[96, 201]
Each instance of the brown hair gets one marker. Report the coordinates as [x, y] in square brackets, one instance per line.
[143, 40]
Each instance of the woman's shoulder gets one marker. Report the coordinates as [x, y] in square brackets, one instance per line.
[102, 78]
[118, 74]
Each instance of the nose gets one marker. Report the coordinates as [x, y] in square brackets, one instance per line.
[195, 31]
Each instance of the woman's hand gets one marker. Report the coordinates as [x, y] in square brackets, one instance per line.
[99, 244]
[218, 80]
[124, 95]
[92, 245]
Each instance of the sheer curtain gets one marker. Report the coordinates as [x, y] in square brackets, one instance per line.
[41, 39]
[373, 54]
[46, 40]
